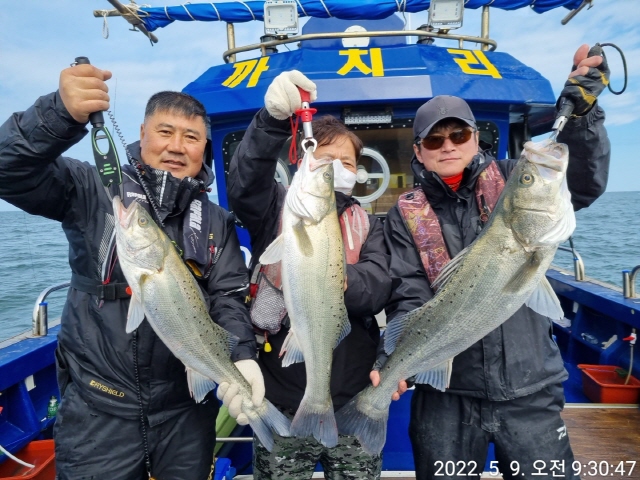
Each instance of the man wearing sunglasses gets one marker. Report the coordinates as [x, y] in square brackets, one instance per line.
[506, 388]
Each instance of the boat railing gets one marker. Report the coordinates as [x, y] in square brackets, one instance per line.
[629, 282]
[234, 439]
[269, 43]
[578, 264]
[39, 319]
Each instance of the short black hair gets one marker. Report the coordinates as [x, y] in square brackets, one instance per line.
[328, 127]
[177, 102]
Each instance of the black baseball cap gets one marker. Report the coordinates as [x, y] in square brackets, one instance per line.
[439, 108]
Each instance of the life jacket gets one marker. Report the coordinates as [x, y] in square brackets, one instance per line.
[267, 306]
[197, 249]
[424, 226]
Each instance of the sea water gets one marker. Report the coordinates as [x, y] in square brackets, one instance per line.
[34, 255]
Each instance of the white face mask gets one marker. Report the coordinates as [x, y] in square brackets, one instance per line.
[343, 179]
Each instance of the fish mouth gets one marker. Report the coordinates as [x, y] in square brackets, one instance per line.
[548, 154]
[123, 215]
[316, 163]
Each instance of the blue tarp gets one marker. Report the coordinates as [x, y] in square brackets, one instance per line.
[238, 11]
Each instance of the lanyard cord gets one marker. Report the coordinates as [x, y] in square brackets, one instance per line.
[139, 169]
[145, 442]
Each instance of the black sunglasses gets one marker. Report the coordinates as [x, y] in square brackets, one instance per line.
[457, 137]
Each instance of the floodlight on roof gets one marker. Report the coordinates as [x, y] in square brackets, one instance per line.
[280, 17]
[446, 14]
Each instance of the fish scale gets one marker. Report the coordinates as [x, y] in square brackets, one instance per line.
[310, 250]
[482, 287]
[167, 295]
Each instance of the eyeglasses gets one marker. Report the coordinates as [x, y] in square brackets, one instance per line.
[457, 137]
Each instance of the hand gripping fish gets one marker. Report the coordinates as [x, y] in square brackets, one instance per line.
[478, 290]
[167, 295]
[311, 253]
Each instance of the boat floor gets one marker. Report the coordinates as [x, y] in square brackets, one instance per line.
[608, 434]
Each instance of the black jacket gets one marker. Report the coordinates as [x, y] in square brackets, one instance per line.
[257, 200]
[94, 351]
[519, 357]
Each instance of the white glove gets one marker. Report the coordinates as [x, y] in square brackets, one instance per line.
[228, 392]
[283, 98]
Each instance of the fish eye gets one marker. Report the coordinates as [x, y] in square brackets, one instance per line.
[327, 176]
[526, 179]
[143, 222]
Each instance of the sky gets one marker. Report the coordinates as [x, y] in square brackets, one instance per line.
[39, 38]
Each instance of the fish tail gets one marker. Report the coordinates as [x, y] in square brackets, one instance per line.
[319, 421]
[371, 431]
[268, 420]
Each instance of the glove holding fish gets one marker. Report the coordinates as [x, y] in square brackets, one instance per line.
[310, 250]
[167, 295]
[477, 290]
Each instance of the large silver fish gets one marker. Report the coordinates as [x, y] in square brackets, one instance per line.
[478, 290]
[168, 296]
[312, 264]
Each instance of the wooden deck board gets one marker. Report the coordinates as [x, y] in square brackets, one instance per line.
[604, 434]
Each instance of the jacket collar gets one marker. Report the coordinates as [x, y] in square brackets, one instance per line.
[344, 201]
[171, 194]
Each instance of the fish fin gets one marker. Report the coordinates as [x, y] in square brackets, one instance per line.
[370, 431]
[395, 329]
[346, 329]
[273, 253]
[449, 269]
[199, 385]
[524, 274]
[135, 316]
[268, 421]
[437, 377]
[319, 421]
[302, 239]
[544, 301]
[291, 350]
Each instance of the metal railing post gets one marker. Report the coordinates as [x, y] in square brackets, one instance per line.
[484, 28]
[578, 264]
[40, 316]
[629, 282]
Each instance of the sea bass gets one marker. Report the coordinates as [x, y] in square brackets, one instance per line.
[168, 296]
[477, 290]
[310, 250]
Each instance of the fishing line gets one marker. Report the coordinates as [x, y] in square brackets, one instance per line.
[624, 66]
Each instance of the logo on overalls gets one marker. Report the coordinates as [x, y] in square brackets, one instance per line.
[195, 218]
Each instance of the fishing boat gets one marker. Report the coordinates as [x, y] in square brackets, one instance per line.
[373, 73]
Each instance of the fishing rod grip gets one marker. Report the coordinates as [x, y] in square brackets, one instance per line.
[96, 118]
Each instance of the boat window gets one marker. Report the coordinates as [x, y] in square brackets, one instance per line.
[387, 162]
[284, 171]
[384, 170]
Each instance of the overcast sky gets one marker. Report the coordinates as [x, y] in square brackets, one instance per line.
[39, 38]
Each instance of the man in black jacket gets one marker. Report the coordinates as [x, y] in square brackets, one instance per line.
[126, 409]
[506, 388]
[257, 200]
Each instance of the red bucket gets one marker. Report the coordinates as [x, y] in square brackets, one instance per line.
[603, 384]
[39, 453]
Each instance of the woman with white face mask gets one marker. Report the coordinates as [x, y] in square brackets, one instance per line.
[257, 200]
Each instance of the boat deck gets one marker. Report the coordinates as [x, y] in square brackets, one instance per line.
[606, 435]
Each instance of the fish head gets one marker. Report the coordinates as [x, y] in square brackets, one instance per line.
[141, 245]
[311, 194]
[537, 197]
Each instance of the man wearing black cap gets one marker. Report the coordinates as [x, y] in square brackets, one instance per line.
[506, 388]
